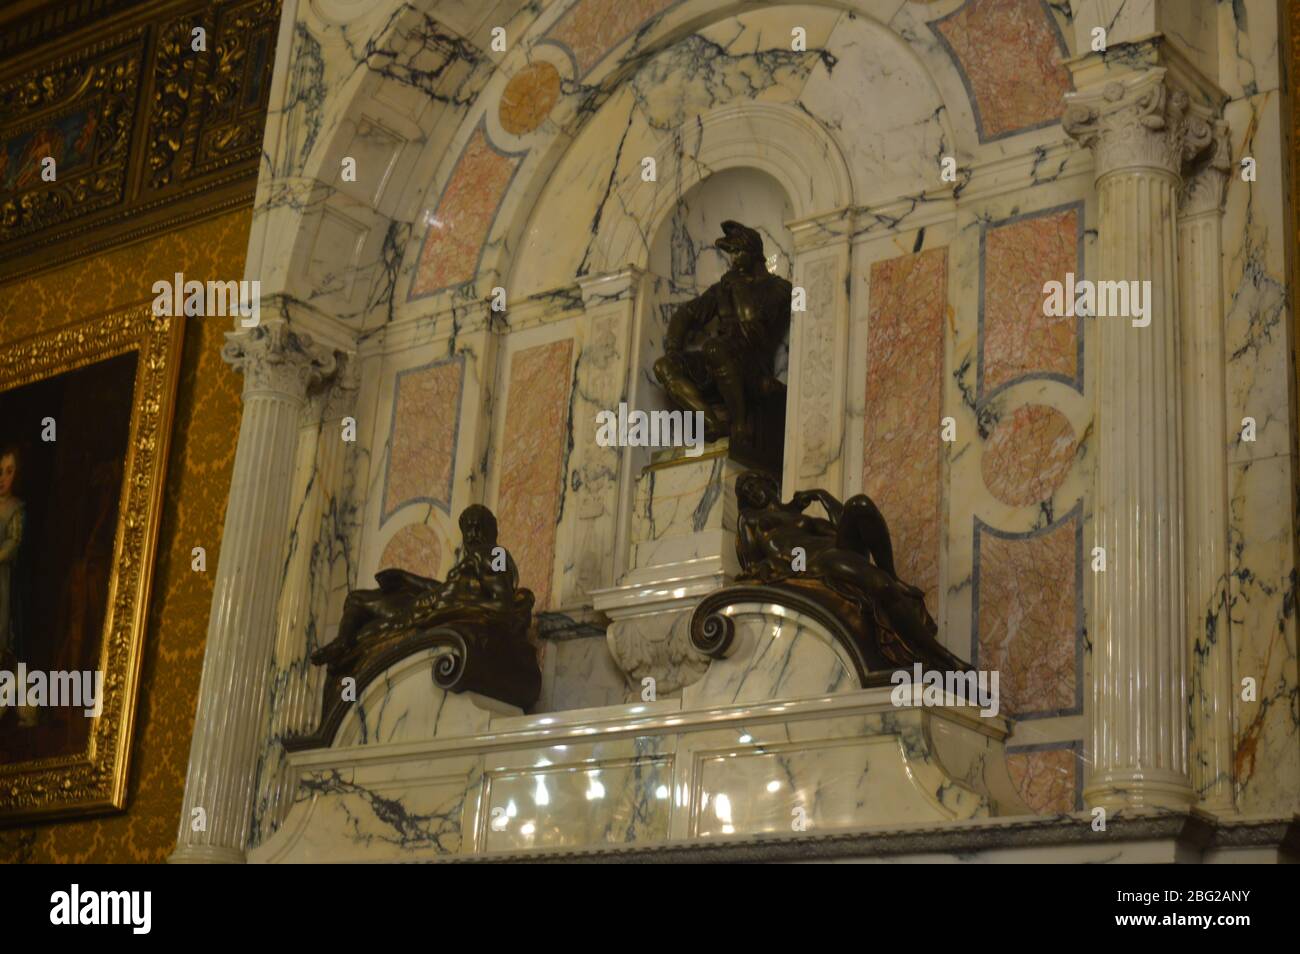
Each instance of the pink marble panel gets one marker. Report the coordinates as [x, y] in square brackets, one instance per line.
[902, 452]
[459, 223]
[417, 549]
[422, 452]
[1028, 455]
[1011, 59]
[591, 28]
[1027, 608]
[1046, 778]
[532, 461]
[1016, 338]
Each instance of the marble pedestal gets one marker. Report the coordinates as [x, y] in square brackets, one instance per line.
[683, 547]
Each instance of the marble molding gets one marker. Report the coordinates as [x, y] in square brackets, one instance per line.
[1129, 838]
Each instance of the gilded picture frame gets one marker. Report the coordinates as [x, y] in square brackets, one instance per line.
[90, 776]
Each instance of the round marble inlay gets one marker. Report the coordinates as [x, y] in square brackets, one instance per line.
[528, 98]
[1028, 455]
[417, 549]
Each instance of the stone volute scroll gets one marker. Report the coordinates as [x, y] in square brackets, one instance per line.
[838, 570]
[720, 350]
[478, 618]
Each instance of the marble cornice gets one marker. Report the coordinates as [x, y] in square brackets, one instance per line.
[1182, 831]
[305, 318]
[1142, 55]
[430, 327]
[537, 308]
[611, 286]
[1056, 161]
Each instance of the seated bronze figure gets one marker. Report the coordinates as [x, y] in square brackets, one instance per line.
[729, 376]
[482, 587]
[477, 619]
[839, 568]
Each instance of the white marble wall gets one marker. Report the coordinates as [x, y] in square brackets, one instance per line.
[523, 170]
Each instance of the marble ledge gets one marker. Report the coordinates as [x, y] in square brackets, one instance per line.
[420, 327]
[656, 588]
[1131, 59]
[664, 716]
[1129, 838]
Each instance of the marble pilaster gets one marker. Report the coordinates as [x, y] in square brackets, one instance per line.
[1205, 433]
[294, 699]
[589, 527]
[279, 366]
[819, 355]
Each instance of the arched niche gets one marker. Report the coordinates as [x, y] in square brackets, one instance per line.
[683, 260]
[782, 143]
[773, 150]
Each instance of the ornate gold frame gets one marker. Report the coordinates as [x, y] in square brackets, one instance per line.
[95, 780]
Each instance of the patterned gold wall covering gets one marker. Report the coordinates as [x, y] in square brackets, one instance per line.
[198, 478]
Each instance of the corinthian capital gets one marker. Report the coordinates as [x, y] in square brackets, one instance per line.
[1204, 181]
[1140, 121]
[276, 359]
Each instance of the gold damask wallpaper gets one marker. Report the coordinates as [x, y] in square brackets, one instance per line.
[198, 478]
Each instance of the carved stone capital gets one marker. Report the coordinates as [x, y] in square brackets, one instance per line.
[1205, 180]
[1141, 121]
[276, 359]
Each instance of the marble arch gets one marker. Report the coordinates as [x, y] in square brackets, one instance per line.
[349, 253]
[797, 152]
[544, 151]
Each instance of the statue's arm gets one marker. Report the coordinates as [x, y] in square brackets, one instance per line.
[687, 316]
[394, 579]
[748, 548]
[834, 509]
[803, 499]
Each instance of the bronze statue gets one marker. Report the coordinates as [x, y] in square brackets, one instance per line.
[730, 377]
[482, 586]
[477, 619]
[839, 568]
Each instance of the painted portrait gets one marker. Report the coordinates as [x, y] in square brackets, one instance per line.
[58, 520]
[83, 437]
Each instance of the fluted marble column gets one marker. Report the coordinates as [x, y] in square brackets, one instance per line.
[1137, 129]
[278, 366]
[1205, 435]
